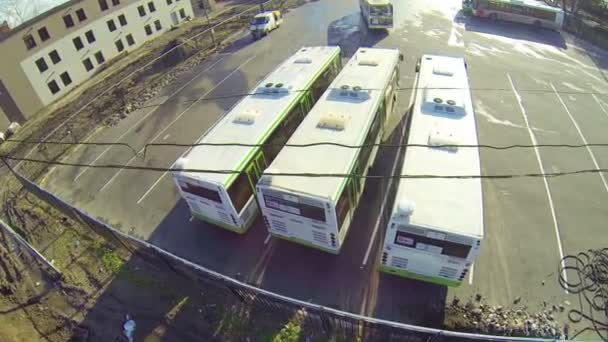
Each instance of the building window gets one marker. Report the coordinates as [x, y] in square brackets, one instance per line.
[81, 15]
[78, 43]
[122, 20]
[141, 10]
[44, 34]
[53, 87]
[115, 2]
[151, 7]
[157, 25]
[41, 64]
[119, 45]
[68, 21]
[148, 30]
[90, 36]
[88, 65]
[54, 55]
[30, 43]
[111, 25]
[130, 39]
[169, 2]
[182, 13]
[103, 5]
[99, 57]
[65, 78]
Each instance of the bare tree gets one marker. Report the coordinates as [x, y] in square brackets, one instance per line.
[17, 11]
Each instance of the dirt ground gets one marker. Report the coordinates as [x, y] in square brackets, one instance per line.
[100, 283]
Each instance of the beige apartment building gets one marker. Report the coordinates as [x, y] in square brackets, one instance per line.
[46, 56]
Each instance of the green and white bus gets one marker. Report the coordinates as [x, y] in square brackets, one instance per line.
[378, 14]
[436, 224]
[521, 11]
[317, 211]
[278, 105]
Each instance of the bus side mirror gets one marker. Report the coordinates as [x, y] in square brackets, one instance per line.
[401, 57]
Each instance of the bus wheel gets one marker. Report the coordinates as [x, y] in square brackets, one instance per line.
[493, 16]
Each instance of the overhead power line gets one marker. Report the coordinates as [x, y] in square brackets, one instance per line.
[283, 92]
[312, 175]
[384, 145]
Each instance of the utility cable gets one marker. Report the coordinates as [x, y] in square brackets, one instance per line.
[304, 174]
[383, 145]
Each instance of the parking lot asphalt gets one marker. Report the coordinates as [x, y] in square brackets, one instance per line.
[528, 85]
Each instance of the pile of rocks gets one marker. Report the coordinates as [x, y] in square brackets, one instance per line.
[477, 316]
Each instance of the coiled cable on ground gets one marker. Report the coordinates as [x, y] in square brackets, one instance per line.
[587, 274]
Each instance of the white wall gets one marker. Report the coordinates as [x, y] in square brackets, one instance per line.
[71, 59]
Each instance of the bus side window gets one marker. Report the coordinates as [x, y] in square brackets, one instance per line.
[240, 191]
[321, 84]
[281, 134]
[342, 206]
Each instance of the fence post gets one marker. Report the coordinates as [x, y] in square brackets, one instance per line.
[325, 322]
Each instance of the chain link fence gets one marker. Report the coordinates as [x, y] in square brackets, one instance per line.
[320, 323]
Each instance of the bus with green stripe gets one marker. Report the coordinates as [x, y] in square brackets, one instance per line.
[436, 224]
[267, 116]
[318, 211]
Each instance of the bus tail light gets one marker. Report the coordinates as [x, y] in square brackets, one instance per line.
[332, 236]
[384, 258]
[266, 223]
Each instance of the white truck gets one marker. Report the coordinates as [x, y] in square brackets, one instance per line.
[265, 22]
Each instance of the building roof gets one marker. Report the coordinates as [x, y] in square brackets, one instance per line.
[250, 120]
[28, 23]
[370, 69]
[453, 205]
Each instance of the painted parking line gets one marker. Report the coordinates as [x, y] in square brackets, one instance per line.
[600, 104]
[542, 169]
[471, 274]
[580, 133]
[267, 239]
[146, 116]
[177, 118]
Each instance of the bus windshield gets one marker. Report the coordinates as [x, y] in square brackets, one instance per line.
[259, 20]
[381, 10]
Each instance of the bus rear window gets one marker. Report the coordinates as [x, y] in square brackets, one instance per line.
[301, 209]
[443, 247]
[201, 192]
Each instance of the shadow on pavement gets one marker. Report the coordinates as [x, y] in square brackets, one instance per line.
[513, 31]
[351, 33]
[212, 247]
[410, 301]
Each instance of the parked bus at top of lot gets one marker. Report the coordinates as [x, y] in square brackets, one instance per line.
[521, 11]
[269, 116]
[436, 224]
[378, 14]
[317, 211]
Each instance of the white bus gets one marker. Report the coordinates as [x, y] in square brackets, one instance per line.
[522, 11]
[378, 14]
[270, 116]
[317, 211]
[436, 224]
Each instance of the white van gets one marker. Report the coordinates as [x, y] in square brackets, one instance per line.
[265, 22]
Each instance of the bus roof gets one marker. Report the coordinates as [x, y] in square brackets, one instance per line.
[453, 205]
[370, 69]
[531, 3]
[378, 2]
[252, 118]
